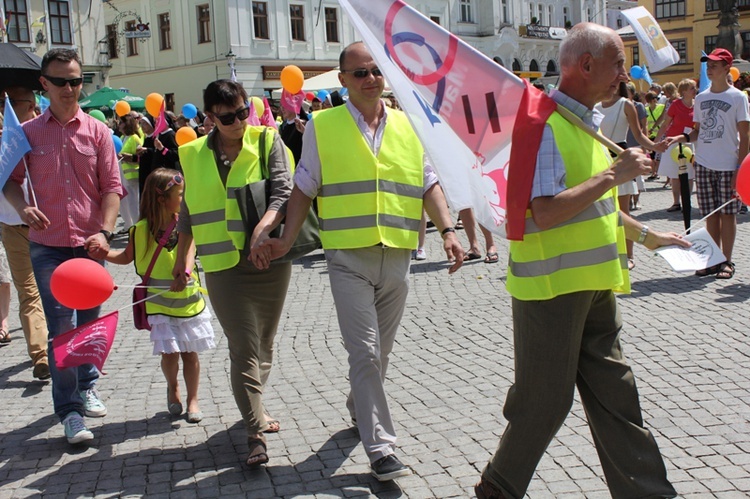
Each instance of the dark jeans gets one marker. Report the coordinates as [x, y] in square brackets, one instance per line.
[66, 383]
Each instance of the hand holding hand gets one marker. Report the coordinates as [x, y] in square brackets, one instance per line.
[97, 246]
[660, 146]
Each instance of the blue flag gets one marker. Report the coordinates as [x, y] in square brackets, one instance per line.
[14, 143]
[645, 76]
[704, 83]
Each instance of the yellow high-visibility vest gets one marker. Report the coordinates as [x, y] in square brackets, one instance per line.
[186, 303]
[585, 253]
[365, 200]
[214, 212]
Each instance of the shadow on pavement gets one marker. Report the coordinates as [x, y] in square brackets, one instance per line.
[735, 293]
[669, 285]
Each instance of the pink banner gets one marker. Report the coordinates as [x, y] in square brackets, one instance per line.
[160, 124]
[267, 118]
[87, 344]
[253, 119]
[292, 102]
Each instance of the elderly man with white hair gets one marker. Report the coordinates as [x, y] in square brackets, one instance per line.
[562, 277]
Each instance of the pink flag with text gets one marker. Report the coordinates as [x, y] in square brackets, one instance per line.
[87, 344]
[267, 117]
[462, 105]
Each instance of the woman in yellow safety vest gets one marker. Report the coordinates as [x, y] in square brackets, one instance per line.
[247, 301]
[131, 141]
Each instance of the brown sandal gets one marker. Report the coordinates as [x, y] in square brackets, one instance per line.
[258, 452]
[709, 271]
[4, 337]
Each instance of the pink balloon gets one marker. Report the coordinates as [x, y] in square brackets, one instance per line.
[81, 284]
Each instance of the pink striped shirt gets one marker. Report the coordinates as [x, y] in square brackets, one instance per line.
[72, 166]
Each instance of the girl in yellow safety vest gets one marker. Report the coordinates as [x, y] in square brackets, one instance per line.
[180, 321]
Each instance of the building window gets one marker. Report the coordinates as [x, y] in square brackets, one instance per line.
[551, 68]
[112, 45]
[516, 65]
[165, 32]
[551, 15]
[59, 22]
[681, 47]
[709, 43]
[466, 12]
[204, 23]
[619, 22]
[504, 11]
[541, 12]
[260, 20]
[636, 55]
[533, 65]
[713, 5]
[297, 18]
[588, 15]
[531, 13]
[669, 8]
[18, 28]
[566, 18]
[435, 19]
[745, 35]
[332, 25]
[132, 42]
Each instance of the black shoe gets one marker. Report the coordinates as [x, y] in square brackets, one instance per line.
[389, 467]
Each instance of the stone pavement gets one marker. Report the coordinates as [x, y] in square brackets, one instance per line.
[686, 338]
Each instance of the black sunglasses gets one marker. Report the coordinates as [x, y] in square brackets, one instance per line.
[61, 82]
[362, 72]
[228, 118]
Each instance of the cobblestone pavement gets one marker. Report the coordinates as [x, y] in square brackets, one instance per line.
[686, 338]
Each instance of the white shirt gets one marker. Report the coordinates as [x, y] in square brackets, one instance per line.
[718, 141]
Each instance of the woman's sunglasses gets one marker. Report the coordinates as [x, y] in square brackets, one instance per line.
[362, 72]
[61, 82]
[228, 118]
[176, 180]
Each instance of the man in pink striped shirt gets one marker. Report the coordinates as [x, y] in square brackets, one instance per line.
[75, 197]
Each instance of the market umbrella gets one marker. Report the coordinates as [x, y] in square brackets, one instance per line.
[102, 98]
[19, 68]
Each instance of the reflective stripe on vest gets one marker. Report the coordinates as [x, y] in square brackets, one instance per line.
[186, 303]
[584, 253]
[366, 200]
[214, 211]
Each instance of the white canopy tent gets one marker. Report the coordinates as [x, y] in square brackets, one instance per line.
[326, 81]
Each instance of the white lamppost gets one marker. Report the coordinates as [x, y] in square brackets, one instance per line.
[230, 62]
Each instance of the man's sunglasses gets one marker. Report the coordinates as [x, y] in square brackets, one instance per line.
[61, 82]
[176, 180]
[362, 72]
[228, 118]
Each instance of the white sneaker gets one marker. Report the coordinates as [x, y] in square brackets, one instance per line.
[421, 254]
[92, 404]
[75, 429]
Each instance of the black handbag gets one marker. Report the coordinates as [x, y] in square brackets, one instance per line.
[253, 202]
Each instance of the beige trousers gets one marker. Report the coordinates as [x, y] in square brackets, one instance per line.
[248, 304]
[30, 311]
[369, 287]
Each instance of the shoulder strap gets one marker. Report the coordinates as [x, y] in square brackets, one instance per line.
[162, 241]
[262, 154]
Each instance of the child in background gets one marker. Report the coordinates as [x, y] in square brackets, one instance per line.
[180, 322]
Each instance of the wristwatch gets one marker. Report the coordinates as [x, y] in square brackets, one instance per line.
[108, 235]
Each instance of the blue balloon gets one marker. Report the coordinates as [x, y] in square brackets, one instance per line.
[323, 94]
[343, 91]
[636, 72]
[189, 111]
[118, 143]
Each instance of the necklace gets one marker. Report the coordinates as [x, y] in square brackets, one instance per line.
[222, 155]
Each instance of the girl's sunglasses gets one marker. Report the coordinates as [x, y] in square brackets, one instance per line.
[61, 82]
[176, 180]
[228, 118]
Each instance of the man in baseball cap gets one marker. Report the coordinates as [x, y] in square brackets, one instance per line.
[719, 55]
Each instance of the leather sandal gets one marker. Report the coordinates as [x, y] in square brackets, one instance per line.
[726, 271]
[258, 452]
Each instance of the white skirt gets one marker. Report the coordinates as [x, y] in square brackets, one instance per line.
[178, 334]
[669, 167]
[628, 187]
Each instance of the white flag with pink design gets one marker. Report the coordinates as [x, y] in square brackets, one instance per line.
[461, 104]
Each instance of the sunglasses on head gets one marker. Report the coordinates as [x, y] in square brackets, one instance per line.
[61, 82]
[176, 180]
[363, 73]
[228, 118]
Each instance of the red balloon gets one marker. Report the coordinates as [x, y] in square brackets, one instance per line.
[81, 284]
[743, 180]
[309, 96]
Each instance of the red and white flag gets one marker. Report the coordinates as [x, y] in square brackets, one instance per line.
[462, 105]
[87, 344]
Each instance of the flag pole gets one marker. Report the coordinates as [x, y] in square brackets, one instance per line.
[687, 231]
[575, 120]
[32, 194]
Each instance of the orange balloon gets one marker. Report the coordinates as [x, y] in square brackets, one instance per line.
[185, 135]
[735, 73]
[292, 79]
[122, 108]
[154, 102]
